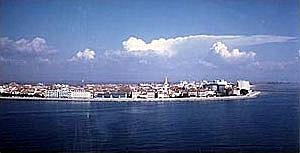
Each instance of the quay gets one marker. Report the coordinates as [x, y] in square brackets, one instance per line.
[189, 99]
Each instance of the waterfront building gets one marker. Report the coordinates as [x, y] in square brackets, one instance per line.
[207, 93]
[102, 95]
[143, 95]
[150, 94]
[57, 93]
[236, 92]
[221, 90]
[2, 90]
[213, 86]
[135, 94]
[64, 94]
[81, 94]
[52, 94]
[118, 95]
[192, 92]
[162, 94]
[175, 93]
[242, 84]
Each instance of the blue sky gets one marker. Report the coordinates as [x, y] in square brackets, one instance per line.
[121, 41]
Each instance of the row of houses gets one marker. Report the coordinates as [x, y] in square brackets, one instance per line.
[164, 90]
[68, 94]
[83, 94]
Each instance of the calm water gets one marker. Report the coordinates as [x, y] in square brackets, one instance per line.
[267, 123]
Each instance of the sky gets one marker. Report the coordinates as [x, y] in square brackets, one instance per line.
[146, 40]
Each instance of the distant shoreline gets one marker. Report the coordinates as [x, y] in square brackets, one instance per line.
[250, 95]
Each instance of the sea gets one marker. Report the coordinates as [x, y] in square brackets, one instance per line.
[267, 123]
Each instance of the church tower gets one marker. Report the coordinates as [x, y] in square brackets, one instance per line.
[166, 86]
[166, 81]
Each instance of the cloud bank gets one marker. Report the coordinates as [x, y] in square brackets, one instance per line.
[85, 55]
[24, 50]
[169, 47]
[37, 45]
[222, 50]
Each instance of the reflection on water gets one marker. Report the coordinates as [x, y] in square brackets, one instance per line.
[267, 123]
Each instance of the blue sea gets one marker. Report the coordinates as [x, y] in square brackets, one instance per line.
[268, 123]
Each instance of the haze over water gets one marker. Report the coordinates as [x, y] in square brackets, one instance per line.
[268, 123]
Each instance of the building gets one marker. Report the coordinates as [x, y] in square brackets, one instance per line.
[2, 90]
[166, 86]
[242, 84]
[219, 86]
[236, 92]
[111, 95]
[162, 94]
[207, 93]
[81, 94]
[52, 94]
[150, 94]
[58, 93]
[135, 94]
[64, 94]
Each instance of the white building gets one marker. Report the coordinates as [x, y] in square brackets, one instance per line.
[206, 93]
[64, 93]
[164, 92]
[242, 84]
[2, 90]
[161, 94]
[81, 94]
[236, 92]
[52, 94]
[150, 94]
[135, 94]
[220, 82]
[182, 84]
[166, 86]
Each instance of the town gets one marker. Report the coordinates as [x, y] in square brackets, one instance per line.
[183, 89]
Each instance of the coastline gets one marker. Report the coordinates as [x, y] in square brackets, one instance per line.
[248, 96]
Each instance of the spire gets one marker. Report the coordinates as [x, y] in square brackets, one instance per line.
[166, 80]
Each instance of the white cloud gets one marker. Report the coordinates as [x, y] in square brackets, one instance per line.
[18, 51]
[170, 46]
[87, 55]
[222, 50]
[37, 45]
[138, 46]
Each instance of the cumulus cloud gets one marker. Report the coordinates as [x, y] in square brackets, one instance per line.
[170, 46]
[86, 55]
[30, 51]
[222, 50]
[138, 46]
[37, 45]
